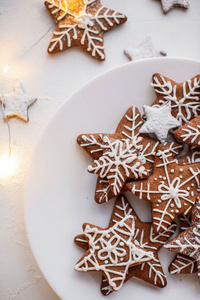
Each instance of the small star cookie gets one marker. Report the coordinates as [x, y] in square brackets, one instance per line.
[184, 97]
[17, 103]
[171, 189]
[145, 50]
[188, 242]
[112, 251]
[159, 121]
[82, 23]
[151, 271]
[167, 5]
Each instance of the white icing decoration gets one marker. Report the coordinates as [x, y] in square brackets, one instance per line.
[81, 240]
[191, 132]
[182, 263]
[85, 21]
[118, 155]
[169, 93]
[144, 152]
[156, 116]
[122, 231]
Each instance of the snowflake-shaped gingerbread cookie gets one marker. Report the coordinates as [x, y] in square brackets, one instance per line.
[82, 23]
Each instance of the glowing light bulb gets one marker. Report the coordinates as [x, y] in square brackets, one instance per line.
[5, 69]
[8, 166]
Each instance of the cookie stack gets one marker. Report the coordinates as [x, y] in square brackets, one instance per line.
[139, 158]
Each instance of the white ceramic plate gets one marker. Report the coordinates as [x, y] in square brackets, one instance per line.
[59, 195]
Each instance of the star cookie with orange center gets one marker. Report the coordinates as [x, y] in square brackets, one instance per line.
[112, 251]
[171, 189]
[188, 242]
[144, 237]
[184, 97]
[82, 23]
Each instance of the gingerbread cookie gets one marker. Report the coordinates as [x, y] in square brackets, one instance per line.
[145, 237]
[17, 103]
[189, 133]
[184, 97]
[183, 264]
[171, 189]
[112, 251]
[167, 5]
[155, 116]
[188, 242]
[128, 128]
[118, 163]
[82, 23]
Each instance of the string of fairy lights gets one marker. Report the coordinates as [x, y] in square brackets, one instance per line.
[8, 162]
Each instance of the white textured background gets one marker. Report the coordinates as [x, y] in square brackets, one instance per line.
[25, 31]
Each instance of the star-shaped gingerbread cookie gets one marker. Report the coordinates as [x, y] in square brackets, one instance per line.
[128, 128]
[151, 271]
[188, 242]
[189, 133]
[183, 264]
[82, 23]
[171, 189]
[155, 117]
[113, 251]
[17, 103]
[184, 97]
[118, 163]
[167, 5]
